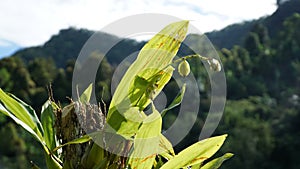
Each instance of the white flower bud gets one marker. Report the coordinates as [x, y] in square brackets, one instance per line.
[184, 68]
[214, 64]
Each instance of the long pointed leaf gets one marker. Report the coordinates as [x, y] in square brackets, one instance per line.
[16, 110]
[80, 140]
[96, 157]
[30, 110]
[178, 99]
[156, 54]
[24, 125]
[25, 116]
[47, 119]
[52, 162]
[127, 123]
[216, 163]
[146, 143]
[150, 65]
[166, 148]
[86, 95]
[197, 152]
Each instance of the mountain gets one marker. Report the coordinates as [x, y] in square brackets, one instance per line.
[274, 23]
[61, 47]
[67, 44]
[235, 34]
[231, 35]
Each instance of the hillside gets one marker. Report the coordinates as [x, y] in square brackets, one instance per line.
[235, 34]
[67, 44]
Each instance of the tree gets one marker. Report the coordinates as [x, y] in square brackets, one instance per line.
[250, 134]
[5, 80]
[253, 44]
[22, 81]
[42, 71]
[12, 147]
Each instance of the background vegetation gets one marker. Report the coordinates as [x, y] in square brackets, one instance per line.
[262, 65]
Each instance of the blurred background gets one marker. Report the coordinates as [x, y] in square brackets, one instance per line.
[257, 41]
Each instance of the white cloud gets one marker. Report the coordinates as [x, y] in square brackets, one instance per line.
[4, 43]
[32, 22]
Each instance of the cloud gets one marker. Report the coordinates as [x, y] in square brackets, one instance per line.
[5, 43]
[7, 48]
[32, 22]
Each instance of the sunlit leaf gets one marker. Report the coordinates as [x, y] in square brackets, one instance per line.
[47, 119]
[80, 140]
[155, 55]
[30, 110]
[165, 148]
[25, 116]
[15, 110]
[152, 65]
[86, 95]
[128, 122]
[196, 153]
[146, 142]
[216, 163]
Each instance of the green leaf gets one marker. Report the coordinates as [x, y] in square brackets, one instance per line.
[178, 99]
[96, 157]
[128, 122]
[86, 95]
[18, 121]
[101, 164]
[144, 90]
[165, 148]
[49, 158]
[146, 143]
[80, 140]
[20, 114]
[196, 153]
[153, 66]
[52, 162]
[158, 163]
[25, 116]
[155, 55]
[47, 119]
[30, 110]
[216, 163]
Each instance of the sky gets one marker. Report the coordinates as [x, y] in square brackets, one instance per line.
[26, 23]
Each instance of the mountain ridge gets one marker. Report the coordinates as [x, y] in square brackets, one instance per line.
[67, 43]
[235, 34]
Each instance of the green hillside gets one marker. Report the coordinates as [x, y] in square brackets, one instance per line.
[235, 34]
[67, 44]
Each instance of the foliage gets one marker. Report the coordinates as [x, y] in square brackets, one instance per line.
[137, 135]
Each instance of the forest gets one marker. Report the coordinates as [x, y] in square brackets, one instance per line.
[261, 60]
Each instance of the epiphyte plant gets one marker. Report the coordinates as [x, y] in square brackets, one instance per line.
[141, 144]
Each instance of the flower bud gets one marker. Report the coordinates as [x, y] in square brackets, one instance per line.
[214, 64]
[184, 68]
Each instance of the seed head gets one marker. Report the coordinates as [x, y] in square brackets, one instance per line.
[214, 64]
